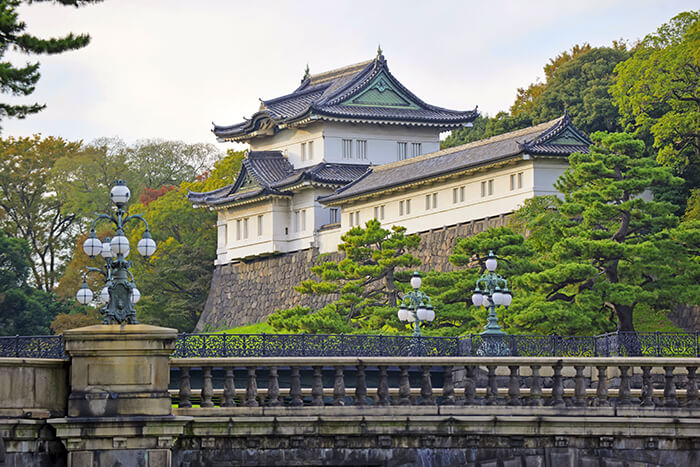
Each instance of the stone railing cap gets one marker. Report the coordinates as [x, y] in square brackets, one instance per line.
[119, 331]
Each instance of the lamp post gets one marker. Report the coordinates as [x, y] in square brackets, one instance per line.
[416, 306]
[492, 291]
[119, 293]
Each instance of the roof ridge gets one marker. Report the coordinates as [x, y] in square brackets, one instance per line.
[326, 76]
[474, 144]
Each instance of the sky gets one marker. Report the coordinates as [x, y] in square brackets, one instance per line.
[168, 69]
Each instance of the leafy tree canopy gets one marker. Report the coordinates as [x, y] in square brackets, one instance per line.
[657, 91]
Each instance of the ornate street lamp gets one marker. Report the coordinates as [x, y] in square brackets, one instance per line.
[492, 291]
[416, 306]
[119, 293]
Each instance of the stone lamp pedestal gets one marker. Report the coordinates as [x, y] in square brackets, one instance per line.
[119, 408]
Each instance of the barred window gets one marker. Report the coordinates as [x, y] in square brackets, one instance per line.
[347, 149]
[415, 149]
[362, 149]
[310, 149]
[303, 151]
[401, 149]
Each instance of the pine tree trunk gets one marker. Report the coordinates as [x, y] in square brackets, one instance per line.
[624, 318]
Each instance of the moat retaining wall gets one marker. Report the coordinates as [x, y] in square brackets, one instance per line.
[248, 291]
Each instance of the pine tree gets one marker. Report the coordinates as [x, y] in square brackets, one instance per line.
[614, 249]
[21, 81]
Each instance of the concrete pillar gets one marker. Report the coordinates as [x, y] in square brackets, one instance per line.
[119, 408]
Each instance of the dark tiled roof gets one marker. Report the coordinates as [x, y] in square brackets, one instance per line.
[543, 138]
[266, 173]
[330, 94]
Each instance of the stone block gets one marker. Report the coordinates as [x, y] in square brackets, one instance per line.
[158, 458]
[80, 459]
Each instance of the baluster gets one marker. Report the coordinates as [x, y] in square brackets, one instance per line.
[469, 386]
[557, 387]
[229, 388]
[426, 387]
[207, 388]
[624, 397]
[361, 386]
[383, 387]
[251, 390]
[339, 387]
[536, 387]
[295, 387]
[602, 391]
[491, 386]
[448, 387]
[692, 391]
[647, 388]
[273, 388]
[317, 387]
[404, 387]
[580, 388]
[670, 399]
[185, 388]
[514, 386]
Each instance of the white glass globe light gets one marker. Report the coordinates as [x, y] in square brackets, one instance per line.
[416, 281]
[146, 246]
[411, 317]
[84, 295]
[120, 245]
[491, 263]
[403, 314]
[107, 249]
[498, 298]
[135, 295]
[120, 193]
[104, 295]
[430, 314]
[507, 299]
[422, 313]
[477, 299]
[92, 246]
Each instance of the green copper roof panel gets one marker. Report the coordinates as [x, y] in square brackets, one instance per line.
[381, 93]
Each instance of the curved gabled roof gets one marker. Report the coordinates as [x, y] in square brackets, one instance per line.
[557, 137]
[365, 92]
[268, 173]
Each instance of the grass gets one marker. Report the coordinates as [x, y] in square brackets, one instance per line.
[255, 328]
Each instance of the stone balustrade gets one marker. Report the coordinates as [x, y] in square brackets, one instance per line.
[210, 385]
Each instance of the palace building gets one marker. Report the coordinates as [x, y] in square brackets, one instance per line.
[353, 144]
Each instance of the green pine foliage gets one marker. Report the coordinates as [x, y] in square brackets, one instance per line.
[21, 81]
[609, 247]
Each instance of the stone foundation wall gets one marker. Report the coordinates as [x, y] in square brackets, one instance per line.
[247, 292]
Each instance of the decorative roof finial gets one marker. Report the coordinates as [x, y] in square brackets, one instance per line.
[307, 73]
[379, 50]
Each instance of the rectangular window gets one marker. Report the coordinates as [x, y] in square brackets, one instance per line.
[357, 217]
[381, 212]
[303, 151]
[434, 200]
[335, 215]
[401, 151]
[512, 182]
[221, 235]
[415, 149]
[310, 149]
[297, 221]
[461, 194]
[238, 229]
[401, 208]
[454, 195]
[362, 149]
[260, 226]
[303, 220]
[376, 212]
[347, 149]
[427, 202]
[520, 180]
[490, 187]
[408, 206]
[351, 218]
[483, 189]
[245, 228]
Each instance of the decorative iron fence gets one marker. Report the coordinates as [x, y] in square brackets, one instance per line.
[624, 344]
[32, 346]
